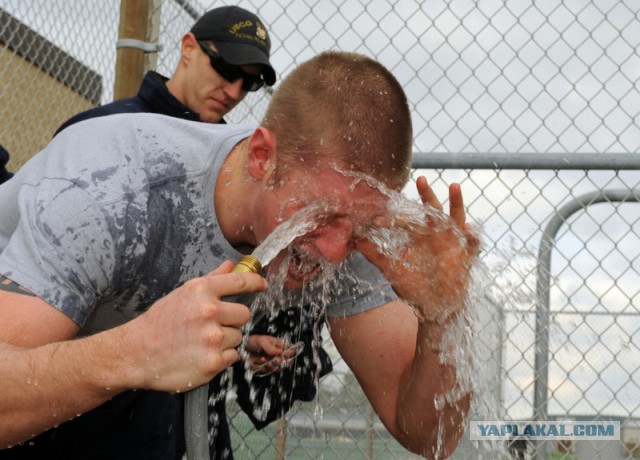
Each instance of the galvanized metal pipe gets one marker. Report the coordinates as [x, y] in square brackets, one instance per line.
[541, 359]
[547, 161]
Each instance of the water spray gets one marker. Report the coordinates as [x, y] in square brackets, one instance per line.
[196, 402]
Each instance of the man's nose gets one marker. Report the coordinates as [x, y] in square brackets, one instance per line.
[332, 240]
[234, 90]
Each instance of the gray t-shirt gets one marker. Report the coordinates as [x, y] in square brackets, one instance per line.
[118, 211]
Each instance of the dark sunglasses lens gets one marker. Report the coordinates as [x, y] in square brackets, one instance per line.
[251, 82]
[228, 72]
[232, 73]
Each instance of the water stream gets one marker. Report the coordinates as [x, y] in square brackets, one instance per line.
[459, 347]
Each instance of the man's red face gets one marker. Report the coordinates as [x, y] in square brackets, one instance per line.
[328, 206]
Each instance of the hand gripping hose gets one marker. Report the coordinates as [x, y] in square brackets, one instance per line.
[196, 402]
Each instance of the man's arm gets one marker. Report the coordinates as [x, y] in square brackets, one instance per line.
[180, 343]
[393, 357]
[38, 366]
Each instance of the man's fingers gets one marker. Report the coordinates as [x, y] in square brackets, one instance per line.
[264, 344]
[231, 337]
[232, 314]
[273, 346]
[456, 205]
[290, 352]
[427, 195]
[226, 284]
[229, 356]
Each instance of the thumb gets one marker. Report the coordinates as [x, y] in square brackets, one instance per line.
[371, 251]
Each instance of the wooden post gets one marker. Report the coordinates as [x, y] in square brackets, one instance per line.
[370, 432]
[130, 62]
[153, 34]
[281, 439]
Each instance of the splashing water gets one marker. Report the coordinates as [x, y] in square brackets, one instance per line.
[405, 217]
[301, 222]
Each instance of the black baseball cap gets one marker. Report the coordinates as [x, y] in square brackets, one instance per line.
[239, 36]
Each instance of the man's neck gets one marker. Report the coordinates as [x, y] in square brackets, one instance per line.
[231, 199]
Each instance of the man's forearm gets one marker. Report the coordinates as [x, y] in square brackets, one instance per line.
[180, 343]
[48, 385]
[401, 374]
[431, 411]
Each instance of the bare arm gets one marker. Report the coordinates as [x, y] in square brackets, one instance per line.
[181, 342]
[402, 376]
[394, 350]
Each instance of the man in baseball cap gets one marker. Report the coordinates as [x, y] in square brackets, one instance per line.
[239, 36]
[224, 56]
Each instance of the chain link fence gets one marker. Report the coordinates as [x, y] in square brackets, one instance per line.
[532, 106]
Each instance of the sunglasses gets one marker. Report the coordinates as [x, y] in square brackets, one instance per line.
[232, 72]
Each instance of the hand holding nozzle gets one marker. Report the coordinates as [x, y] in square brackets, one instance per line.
[188, 336]
[196, 409]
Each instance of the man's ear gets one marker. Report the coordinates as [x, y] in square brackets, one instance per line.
[188, 44]
[261, 153]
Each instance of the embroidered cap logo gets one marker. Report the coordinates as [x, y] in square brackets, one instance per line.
[261, 32]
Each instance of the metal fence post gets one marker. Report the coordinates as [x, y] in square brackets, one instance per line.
[541, 363]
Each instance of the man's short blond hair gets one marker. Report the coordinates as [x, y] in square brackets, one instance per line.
[345, 108]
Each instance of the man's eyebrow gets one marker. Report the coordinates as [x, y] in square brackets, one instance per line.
[8, 285]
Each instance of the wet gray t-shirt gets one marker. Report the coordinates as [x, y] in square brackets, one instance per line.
[118, 211]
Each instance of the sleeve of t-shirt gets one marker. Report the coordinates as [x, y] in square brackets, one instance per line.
[363, 288]
[62, 249]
